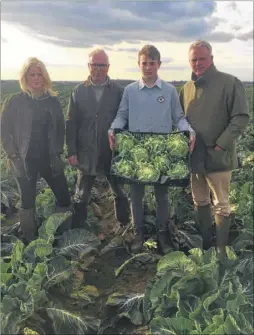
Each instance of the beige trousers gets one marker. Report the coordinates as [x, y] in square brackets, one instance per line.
[218, 183]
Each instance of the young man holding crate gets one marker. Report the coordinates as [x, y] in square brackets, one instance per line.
[150, 105]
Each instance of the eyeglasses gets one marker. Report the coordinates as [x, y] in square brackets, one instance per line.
[98, 66]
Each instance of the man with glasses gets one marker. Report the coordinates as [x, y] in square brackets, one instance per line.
[92, 108]
[216, 107]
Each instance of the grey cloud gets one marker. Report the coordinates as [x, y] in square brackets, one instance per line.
[167, 59]
[246, 36]
[132, 57]
[128, 49]
[56, 65]
[218, 37]
[174, 68]
[85, 24]
[132, 69]
[233, 6]
[236, 27]
[122, 49]
[106, 48]
[166, 9]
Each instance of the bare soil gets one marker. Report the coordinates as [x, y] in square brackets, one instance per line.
[101, 271]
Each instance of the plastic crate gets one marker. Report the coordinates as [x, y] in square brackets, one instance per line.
[163, 180]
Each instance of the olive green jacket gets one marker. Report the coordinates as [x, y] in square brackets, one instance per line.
[216, 107]
[87, 125]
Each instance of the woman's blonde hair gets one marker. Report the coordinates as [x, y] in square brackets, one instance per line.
[47, 81]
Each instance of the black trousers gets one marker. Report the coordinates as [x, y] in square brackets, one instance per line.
[162, 205]
[84, 186]
[83, 195]
[27, 186]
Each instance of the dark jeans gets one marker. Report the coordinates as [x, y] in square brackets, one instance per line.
[84, 186]
[27, 187]
[162, 205]
[83, 194]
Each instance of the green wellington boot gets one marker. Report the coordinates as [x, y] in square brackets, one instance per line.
[222, 232]
[204, 221]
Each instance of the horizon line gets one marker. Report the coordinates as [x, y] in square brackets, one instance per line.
[78, 81]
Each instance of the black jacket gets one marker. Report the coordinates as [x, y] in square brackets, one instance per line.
[87, 126]
[16, 125]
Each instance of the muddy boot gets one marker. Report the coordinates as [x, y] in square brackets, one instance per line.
[67, 224]
[80, 215]
[204, 221]
[137, 243]
[164, 243]
[122, 210]
[28, 224]
[222, 232]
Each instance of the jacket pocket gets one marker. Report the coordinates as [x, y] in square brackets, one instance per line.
[217, 160]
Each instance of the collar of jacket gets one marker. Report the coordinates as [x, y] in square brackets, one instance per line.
[88, 82]
[199, 81]
[44, 96]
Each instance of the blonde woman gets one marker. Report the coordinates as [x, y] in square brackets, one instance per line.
[32, 134]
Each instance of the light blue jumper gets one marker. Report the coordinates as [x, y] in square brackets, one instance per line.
[155, 109]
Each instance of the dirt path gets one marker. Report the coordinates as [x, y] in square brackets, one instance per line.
[101, 272]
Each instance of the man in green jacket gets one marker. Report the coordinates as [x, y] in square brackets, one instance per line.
[92, 108]
[216, 107]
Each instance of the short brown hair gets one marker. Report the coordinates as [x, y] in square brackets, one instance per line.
[150, 51]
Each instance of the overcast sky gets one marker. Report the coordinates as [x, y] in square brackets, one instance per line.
[62, 33]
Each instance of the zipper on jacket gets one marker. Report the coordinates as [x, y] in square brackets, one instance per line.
[96, 138]
[49, 128]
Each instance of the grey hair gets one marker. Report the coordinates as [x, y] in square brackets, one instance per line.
[98, 51]
[200, 43]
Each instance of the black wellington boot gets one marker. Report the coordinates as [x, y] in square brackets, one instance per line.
[79, 216]
[164, 243]
[28, 224]
[122, 210]
[137, 243]
[67, 224]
